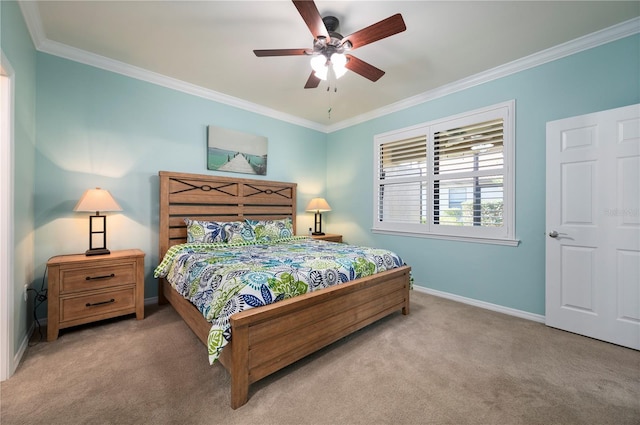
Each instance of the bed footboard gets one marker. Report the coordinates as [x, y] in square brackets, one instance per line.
[269, 338]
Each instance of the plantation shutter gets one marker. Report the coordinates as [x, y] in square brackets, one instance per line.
[468, 175]
[402, 181]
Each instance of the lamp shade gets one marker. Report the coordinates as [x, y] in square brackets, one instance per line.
[318, 205]
[319, 66]
[339, 62]
[318, 62]
[97, 200]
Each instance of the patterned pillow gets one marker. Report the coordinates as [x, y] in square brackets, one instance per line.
[268, 230]
[239, 231]
[204, 231]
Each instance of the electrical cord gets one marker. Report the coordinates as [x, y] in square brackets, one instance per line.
[39, 298]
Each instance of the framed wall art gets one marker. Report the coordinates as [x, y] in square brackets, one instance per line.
[235, 151]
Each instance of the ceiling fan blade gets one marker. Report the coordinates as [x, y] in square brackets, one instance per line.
[312, 82]
[383, 29]
[361, 67]
[280, 52]
[312, 18]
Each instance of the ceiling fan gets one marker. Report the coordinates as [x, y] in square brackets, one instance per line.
[330, 49]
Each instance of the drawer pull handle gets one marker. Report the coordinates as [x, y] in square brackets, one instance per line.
[100, 303]
[107, 276]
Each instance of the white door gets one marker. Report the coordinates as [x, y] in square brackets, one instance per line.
[593, 225]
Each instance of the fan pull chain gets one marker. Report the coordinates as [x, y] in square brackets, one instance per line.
[335, 90]
[329, 100]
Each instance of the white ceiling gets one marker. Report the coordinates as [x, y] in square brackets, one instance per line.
[208, 45]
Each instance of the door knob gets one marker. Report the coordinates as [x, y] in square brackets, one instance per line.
[553, 234]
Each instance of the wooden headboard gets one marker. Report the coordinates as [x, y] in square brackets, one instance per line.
[215, 198]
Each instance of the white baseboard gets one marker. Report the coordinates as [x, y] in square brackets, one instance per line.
[482, 304]
[23, 348]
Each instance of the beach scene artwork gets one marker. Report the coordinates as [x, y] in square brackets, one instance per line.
[235, 151]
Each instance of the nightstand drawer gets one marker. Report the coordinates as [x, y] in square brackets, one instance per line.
[91, 278]
[97, 304]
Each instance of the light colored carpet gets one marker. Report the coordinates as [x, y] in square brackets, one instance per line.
[445, 363]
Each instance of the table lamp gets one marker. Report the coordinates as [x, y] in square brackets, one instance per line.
[318, 205]
[97, 200]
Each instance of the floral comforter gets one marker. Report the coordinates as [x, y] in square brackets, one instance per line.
[221, 279]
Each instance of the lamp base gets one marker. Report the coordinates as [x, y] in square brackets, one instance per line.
[98, 251]
[318, 233]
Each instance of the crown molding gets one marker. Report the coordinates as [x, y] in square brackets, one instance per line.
[77, 55]
[31, 15]
[589, 41]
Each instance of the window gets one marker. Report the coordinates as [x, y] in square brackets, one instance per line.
[451, 178]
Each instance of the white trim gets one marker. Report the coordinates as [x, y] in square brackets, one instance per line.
[482, 304]
[24, 345]
[31, 15]
[7, 322]
[486, 240]
[102, 62]
[589, 41]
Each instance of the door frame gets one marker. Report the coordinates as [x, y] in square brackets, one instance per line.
[7, 99]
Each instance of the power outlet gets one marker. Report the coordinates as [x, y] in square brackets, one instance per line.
[26, 294]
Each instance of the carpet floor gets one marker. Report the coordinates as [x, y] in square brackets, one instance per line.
[445, 363]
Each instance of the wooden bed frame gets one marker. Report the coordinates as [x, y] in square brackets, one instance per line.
[268, 338]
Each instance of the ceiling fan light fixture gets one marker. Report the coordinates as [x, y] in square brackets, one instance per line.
[318, 62]
[339, 71]
[322, 73]
[320, 66]
[338, 61]
[327, 41]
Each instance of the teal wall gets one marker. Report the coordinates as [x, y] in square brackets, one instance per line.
[18, 49]
[100, 129]
[597, 79]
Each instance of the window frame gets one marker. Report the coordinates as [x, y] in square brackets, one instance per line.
[501, 235]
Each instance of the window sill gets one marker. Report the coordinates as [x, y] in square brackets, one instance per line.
[483, 240]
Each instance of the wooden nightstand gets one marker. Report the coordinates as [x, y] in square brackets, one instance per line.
[328, 237]
[84, 289]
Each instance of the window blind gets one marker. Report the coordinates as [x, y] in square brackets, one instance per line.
[402, 187]
[469, 160]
